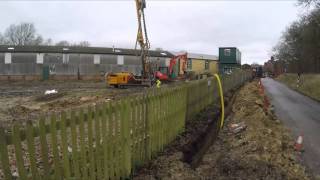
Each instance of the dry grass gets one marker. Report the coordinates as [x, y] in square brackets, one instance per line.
[309, 85]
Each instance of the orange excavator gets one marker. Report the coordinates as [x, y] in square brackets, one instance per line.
[176, 70]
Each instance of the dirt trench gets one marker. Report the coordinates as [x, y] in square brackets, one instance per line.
[264, 150]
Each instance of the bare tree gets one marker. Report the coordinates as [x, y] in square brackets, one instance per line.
[2, 39]
[67, 43]
[22, 34]
[308, 3]
[255, 64]
[63, 43]
[298, 47]
[245, 66]
[83, 44]
[37, 41]
[47, 42]
[25, 34]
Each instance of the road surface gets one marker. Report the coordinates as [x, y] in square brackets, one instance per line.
[302, 115]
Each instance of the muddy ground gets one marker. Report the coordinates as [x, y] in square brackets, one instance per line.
[264, 150]
[22, 101]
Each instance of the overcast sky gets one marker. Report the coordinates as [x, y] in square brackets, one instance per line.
[195, 26]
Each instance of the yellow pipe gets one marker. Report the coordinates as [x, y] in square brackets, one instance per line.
[221, 100]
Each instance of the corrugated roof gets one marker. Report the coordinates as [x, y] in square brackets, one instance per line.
[198, 56]
[203, 56]
[80, 50]
[228, 47]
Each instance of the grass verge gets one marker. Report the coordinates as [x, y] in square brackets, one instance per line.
[309, 84]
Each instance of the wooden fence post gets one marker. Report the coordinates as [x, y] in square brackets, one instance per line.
[105, 140]
[148, 119]
[44, 148]
[64, 144]
[31, 151]
[98, 150]
[18, 151]
[4, 155]
[83, 154]
[54, 144]
[90, 142]
[74, 146]
[126, 138]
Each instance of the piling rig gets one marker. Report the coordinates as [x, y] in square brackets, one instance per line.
[123, 79]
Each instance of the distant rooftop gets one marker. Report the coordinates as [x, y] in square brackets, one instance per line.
[80, 50]
[198, 56]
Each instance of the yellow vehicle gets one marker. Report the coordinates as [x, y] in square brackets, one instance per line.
[123, 79]
[115, 79]
[126, 78]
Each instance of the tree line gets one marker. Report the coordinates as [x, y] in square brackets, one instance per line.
[25, 34]
[298, 50]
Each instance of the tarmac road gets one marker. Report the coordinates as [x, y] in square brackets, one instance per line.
[302, 115]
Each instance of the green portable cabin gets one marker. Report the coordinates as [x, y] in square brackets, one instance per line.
[229, 58]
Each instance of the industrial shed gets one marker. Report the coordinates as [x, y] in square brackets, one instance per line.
[61, 63]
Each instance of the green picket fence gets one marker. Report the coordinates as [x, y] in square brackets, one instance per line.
[107, 141]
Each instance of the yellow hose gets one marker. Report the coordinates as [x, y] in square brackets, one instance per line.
[221, 100]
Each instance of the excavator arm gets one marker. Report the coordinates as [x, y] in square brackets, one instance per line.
[183, 62]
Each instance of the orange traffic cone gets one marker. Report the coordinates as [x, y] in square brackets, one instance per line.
[261, 90]
[260, 83]
[261, 87]
[266, 103]
[298, 144]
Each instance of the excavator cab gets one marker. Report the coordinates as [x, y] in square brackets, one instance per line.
[162, 74]
[176, 69]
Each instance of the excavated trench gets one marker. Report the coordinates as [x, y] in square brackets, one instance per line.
[197, 147]
[190, 147]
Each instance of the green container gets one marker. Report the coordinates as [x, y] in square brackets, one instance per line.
[228, 68]
[229, 55]
[45, 73]
[229, 59]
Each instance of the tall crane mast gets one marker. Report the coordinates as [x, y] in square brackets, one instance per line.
[142, 39]
[124, 79]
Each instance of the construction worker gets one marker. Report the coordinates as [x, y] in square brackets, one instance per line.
[158, 83]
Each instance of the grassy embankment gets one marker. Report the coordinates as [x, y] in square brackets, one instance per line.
[309, 85]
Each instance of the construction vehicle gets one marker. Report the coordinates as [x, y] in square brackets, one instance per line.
[176, 70]
[123, 79]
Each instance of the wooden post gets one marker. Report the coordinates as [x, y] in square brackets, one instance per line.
[31, 150]
[4, 155]
[83, 154]
[75, 152]
[44, 148]
[54, 144]
[64, 143]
